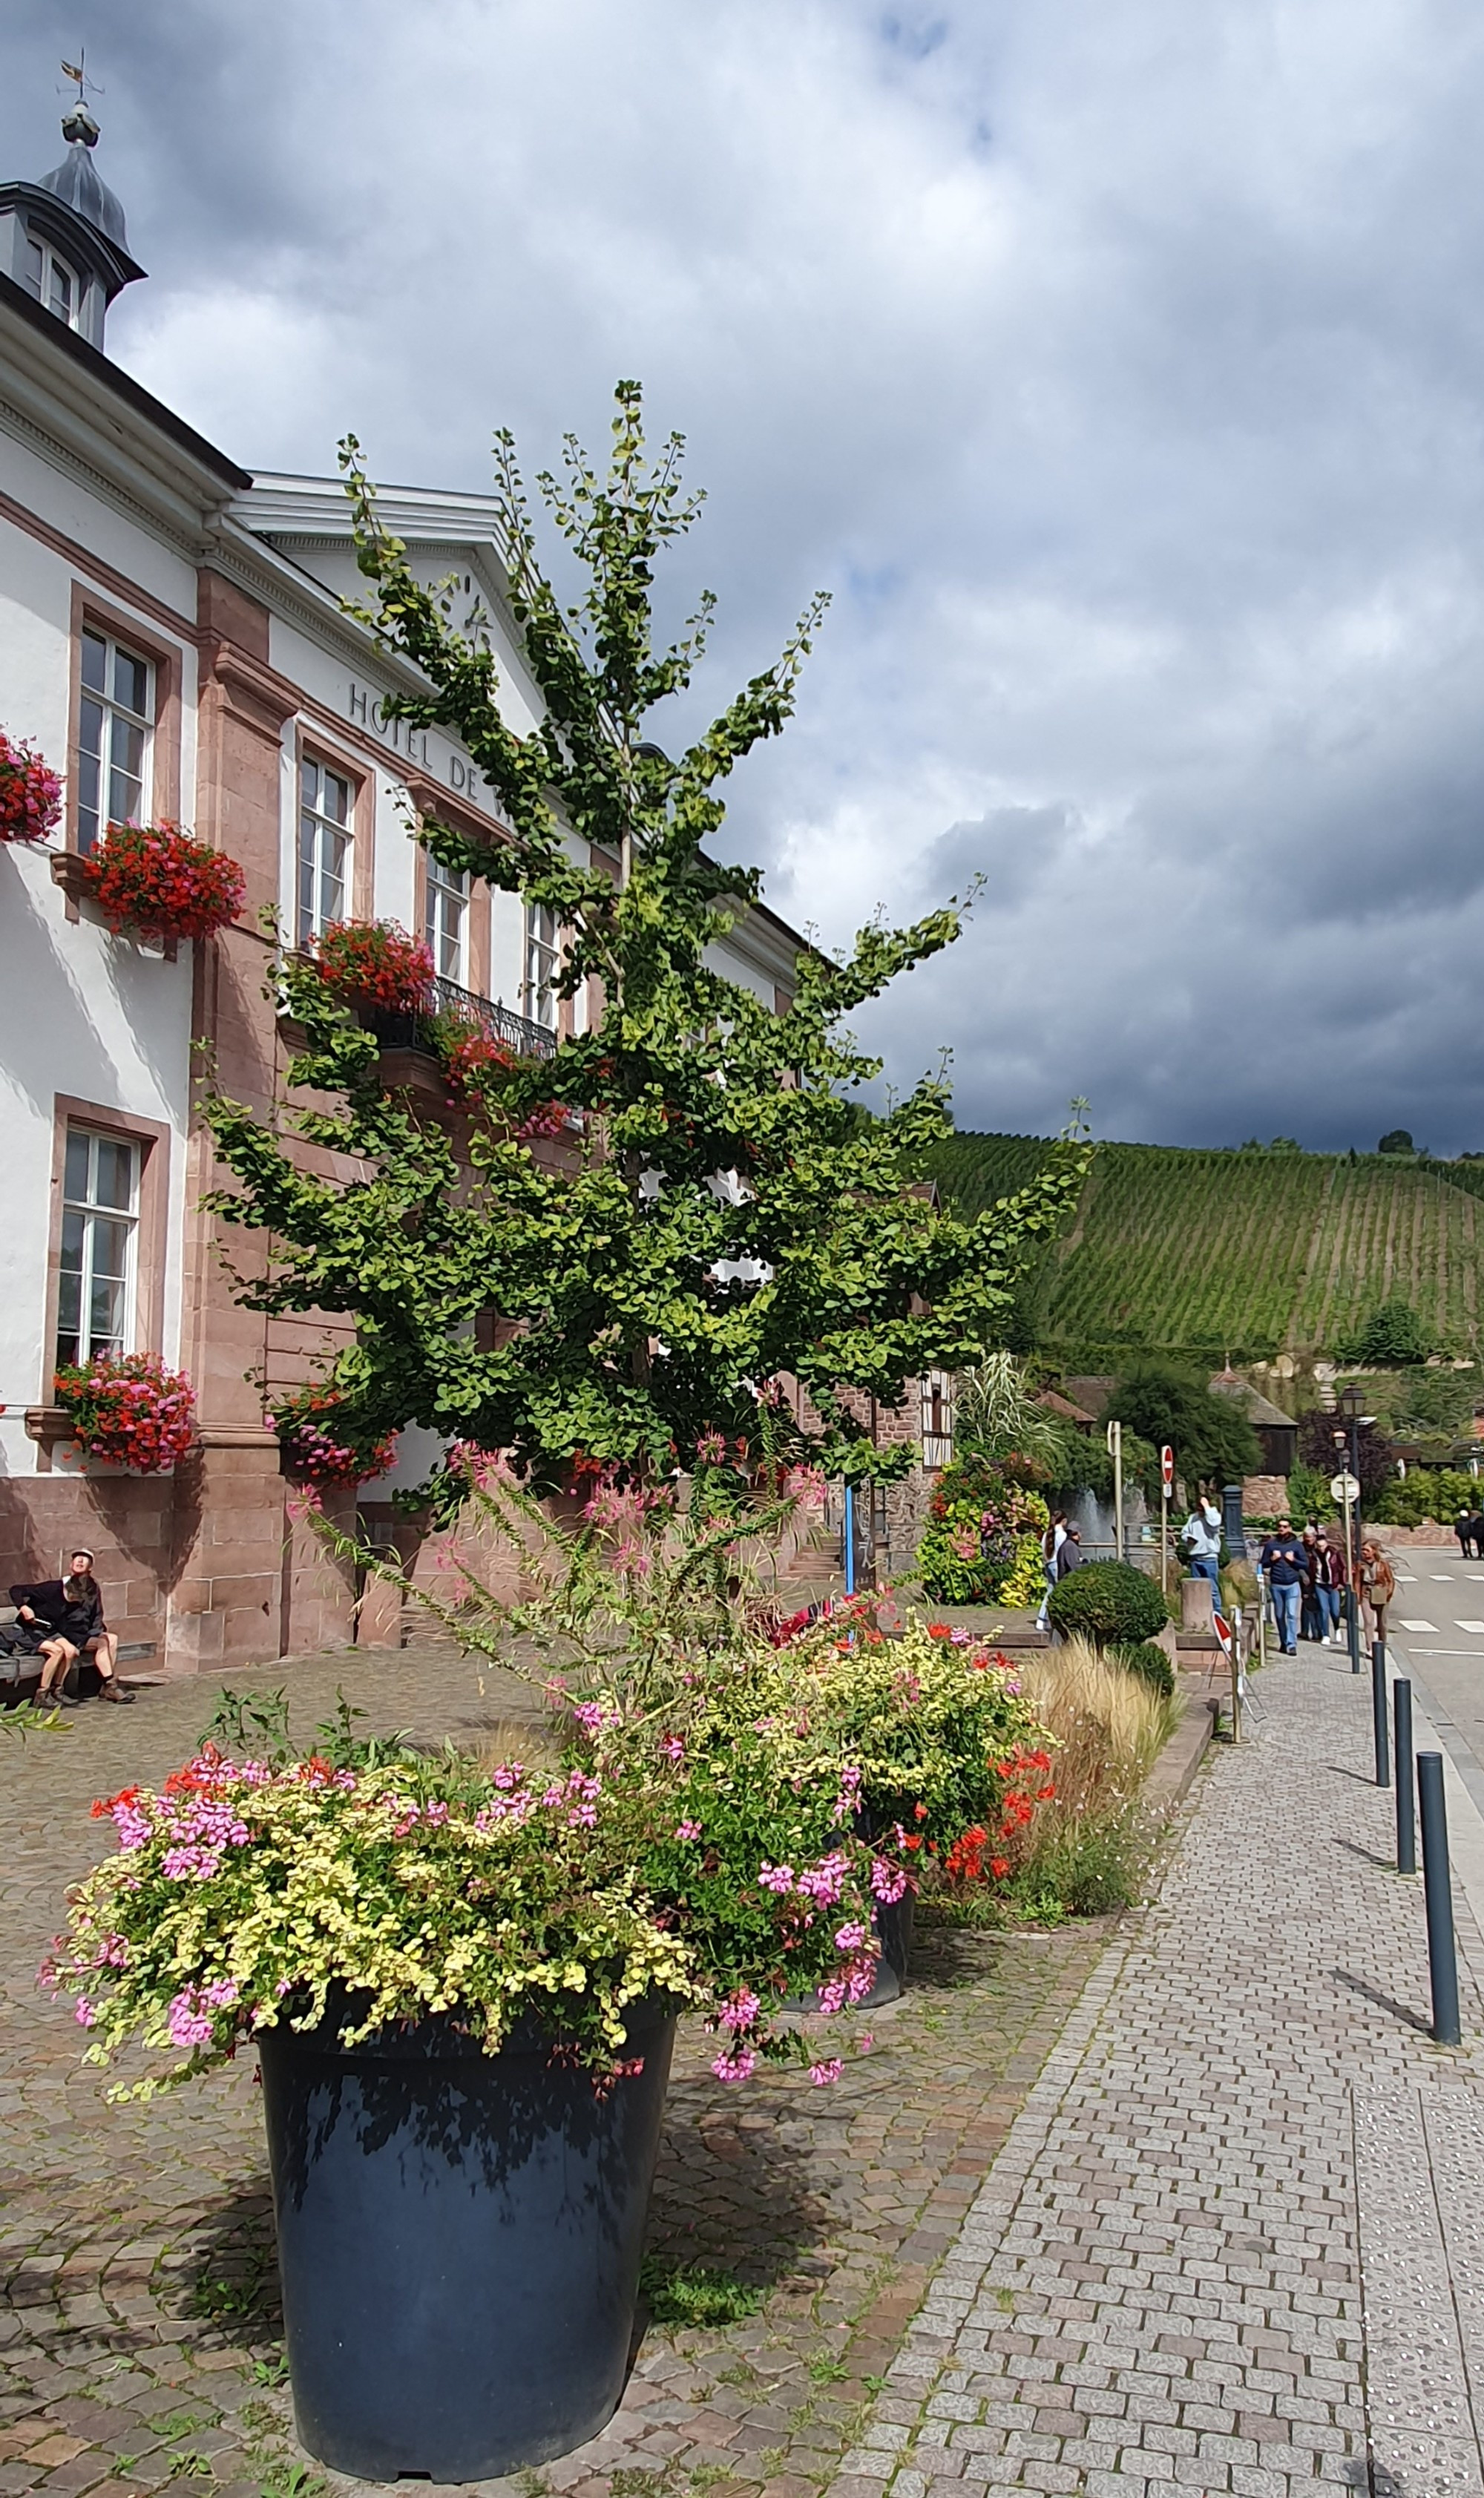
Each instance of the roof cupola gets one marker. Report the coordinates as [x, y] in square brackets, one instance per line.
[63, 240]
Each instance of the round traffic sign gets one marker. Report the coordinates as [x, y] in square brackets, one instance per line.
[1344, 1488]
[1167, 1466]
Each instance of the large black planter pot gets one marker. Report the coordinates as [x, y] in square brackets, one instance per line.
[459, 2243]
[893, 1921]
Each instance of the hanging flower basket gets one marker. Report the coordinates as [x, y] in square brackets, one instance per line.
[154, 881]
[130, 1409]
[320, 1443]
[374, 965]
[30, 793]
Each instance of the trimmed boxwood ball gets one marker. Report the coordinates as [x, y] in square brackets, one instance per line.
[1150, 1662]
[1110, 1602]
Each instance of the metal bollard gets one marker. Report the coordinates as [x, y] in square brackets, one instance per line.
[1407, 1800]
[1352, 1604]
[1442, 1958]
[1379, 1713]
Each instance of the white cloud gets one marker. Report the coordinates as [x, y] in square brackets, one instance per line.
[1117, 365]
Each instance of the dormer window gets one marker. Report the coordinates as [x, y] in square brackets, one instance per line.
[48, 277]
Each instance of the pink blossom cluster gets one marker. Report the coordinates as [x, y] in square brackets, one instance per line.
[740, 2010]
[594, 1715]
[888, 1882]
[850, 1984]
[735, 2063]
[189, 2018]
[687, 1830]
[672, 1748]
[579, 1797]
[847, 1804]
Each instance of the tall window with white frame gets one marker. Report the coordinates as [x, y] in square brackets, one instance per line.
[445, 909]
[116, 729]
[100, 1235]
[324, 847]
[543, 962]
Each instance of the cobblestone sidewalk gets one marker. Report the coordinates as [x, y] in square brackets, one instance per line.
[138, 2297]
[1236, 2238]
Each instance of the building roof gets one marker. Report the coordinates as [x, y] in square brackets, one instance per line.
[1066, 1408]
[1260, 1409]
[78, 181]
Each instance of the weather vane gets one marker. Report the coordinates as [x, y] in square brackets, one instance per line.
[76, 71]
[79, 123]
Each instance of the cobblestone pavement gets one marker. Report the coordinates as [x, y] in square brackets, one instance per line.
[138, 2298]
[1236, 2238]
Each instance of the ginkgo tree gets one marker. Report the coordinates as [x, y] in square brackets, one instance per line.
[725, 1218]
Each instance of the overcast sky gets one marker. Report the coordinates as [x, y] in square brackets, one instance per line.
[1117, 364]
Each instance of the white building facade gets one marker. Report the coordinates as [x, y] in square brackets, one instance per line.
[172, 641]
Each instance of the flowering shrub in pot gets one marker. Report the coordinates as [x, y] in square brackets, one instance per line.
[461, 1977]
[30, 792]
[982, 1542]
[131, 1408]
[375, 966]
[154, 881]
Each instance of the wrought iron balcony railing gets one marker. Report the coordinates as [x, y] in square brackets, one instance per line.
[514, 1032]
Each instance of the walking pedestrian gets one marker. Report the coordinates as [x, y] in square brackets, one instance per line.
[1476, 1533]
[1200, 1541]
[1331, 1568]
[1051, 1543]
[1310, 1611]
[1376, 1584]
[1463, 1529]
[1070, 1556]
[1287, 1566]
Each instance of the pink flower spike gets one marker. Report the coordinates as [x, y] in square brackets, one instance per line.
[827, 2071]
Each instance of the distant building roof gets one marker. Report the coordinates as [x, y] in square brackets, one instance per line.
[1064, 1406]
[1260, 1409]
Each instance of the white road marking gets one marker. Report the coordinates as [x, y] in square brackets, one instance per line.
[1418, 1627]
[1477, 1627]
[1446, 1576]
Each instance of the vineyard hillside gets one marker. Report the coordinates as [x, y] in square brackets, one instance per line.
[1251, 1254]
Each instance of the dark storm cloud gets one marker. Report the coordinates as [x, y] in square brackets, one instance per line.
[1118, 366]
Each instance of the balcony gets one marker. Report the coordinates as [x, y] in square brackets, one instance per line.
[515, 1032]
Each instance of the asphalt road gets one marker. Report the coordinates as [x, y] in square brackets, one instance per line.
[1436, 1631]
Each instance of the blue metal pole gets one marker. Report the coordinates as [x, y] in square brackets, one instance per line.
[1442, 1958]
[1379, 1711]
[849, 1540]
[1406, 1799]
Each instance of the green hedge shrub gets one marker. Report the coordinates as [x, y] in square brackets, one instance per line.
[1151, 1664]
[1110, 1602]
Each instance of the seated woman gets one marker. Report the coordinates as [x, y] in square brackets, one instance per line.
[69, 1613]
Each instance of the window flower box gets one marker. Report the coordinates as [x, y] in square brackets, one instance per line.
[129, 1410]
[30, 793]
[153, 881]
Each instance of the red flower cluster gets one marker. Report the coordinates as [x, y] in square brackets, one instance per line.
[470, 1054]
[154, 881]
[375, 963]
[314, 1448]
[30, 793]
[130, 1409]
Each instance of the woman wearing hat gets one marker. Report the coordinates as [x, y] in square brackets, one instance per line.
[69, 1613]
